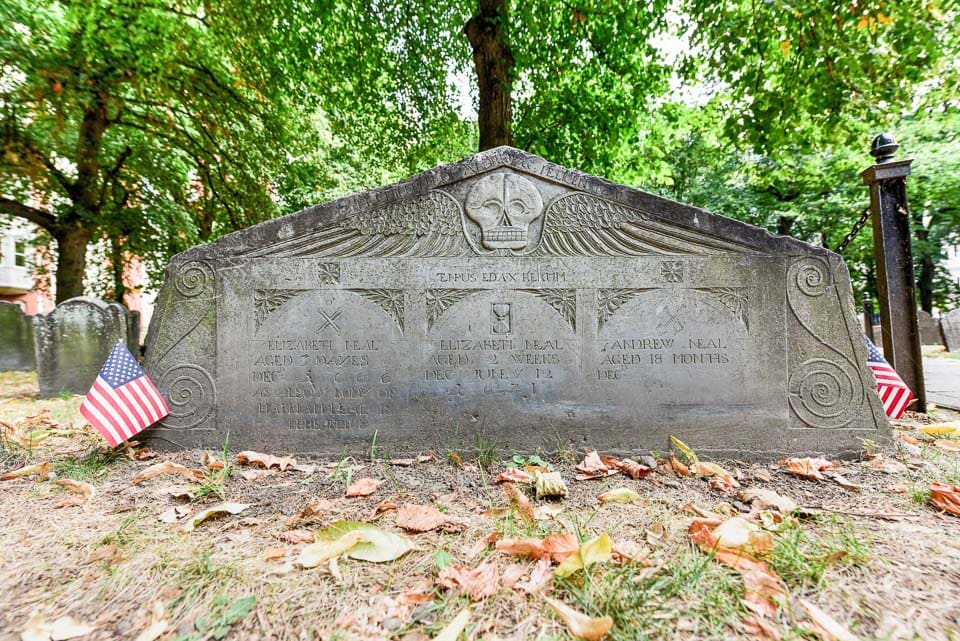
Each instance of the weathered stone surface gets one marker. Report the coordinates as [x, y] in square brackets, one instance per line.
[930, 333]
[510, 300]
[73, 342]
[950, 323]
[16, 339]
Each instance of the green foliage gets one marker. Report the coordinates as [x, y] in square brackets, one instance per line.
[223, 614]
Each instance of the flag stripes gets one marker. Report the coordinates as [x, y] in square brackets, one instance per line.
[894, 393]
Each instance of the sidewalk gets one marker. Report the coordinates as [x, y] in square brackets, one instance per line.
[942, 376]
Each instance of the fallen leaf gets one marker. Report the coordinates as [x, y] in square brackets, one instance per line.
[549, 485]
[763, 499]
[478, 583]
[596, 550]
[701, 468]
[520, 501]
[825, 626]
[315, 509]
[257, 474]
[547, 512]
[619, 495]
[540, 577]
[760, 628]
[946, 445]
[580, 625]
[157, 624]
[272, 553]
[323, 551]
[689, 456]
[186, 492]
[455, 458]
[266, 461]
[883, 464]
[424, 518]
[173, 514]
[82, 493]
[909, 440]
[69, 628]
[633, 469]
[481, 545]
[296, 537]
[946, 497]
[514, 475]
[939, 429]
[167, 467]
[807, 467]
[374, 545]
[216, 510]
[306, 469]
[42, 470]
[143, 454]
[842, 481]
[109, 554]
[556, 547]
[762, 475]
[897, 488]
[453, 629]
[678, 467]
[593, 467]
[630, 552]
[363, 487]
[739, 534]
[211, 462]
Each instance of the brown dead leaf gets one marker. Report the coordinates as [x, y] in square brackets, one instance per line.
[593, 467]
[521, 502]
[478, 583]
[316, 509]
[579, 624]
[266, 461]
[211, 462]
[257, 474]
[42, 470]
[109, 554]
[380, 508]
[824, 625]
[883, 464]
[633, 469]
[946, 497]
[173, 514]
[763, 499]
[701, 468]
[363, 487]
[143, 454]
[897, 488]
[630, 552]
[514, 475]
[295, 537]
[842, 481]
[947, 445]
[679, 468]
[556, 547]
[82, 493]
[455, 458]
[547, 512]
[482, 544]
[807, 467]
[759, 628]
[183, 492]
[539, 580]
[167, 467]
[271, 553]
[424, 518]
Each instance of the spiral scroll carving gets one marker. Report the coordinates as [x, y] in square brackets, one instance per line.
[812, 276]
[194, 278]
[824, 393]
[191, 395]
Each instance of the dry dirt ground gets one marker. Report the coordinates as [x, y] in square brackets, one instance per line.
[881, 561]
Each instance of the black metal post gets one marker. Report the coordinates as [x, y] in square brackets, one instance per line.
[868, 317]
[894, 256]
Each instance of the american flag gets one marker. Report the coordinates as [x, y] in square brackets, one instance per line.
[123, 400]
[893, 392]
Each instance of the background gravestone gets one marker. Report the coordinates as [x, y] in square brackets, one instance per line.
[930, 333]
[16, 339]
[507, 300]
[73, 342]
[950, 323]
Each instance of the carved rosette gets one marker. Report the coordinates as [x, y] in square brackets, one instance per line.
[328, 273]
[390, 300]
[611, 300]
[191, 395]
[194, 278]
[734, 299]
[267, 301]
[440, 300]
[564, 301]
[825, 393]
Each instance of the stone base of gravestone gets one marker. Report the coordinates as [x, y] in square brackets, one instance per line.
[950, 324]
[73, 342]
[16, 339]
[930, 332]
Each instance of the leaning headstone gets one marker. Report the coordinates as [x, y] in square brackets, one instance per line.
[950, 323]
[510, 301]
[16, 339]
[930, 333]
[73, 342]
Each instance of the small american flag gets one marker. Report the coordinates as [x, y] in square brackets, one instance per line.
[893, 392]
[123, 400]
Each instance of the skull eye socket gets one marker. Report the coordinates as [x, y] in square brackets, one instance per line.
[517, 208]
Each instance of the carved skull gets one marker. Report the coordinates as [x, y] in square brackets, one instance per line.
[504, 205]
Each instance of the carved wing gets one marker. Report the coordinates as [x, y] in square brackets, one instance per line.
[429, 225]
[583, 225]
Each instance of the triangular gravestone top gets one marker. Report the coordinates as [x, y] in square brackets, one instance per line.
[507, 300]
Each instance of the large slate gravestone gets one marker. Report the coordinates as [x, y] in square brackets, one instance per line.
[930, 333]
[73, 342]
[506, 299]
[16, 339]
[950, 323]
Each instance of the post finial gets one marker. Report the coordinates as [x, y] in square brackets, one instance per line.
[883, 148]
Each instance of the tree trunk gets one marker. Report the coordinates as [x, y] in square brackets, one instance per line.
[71, 261]
[785, 225]
[494, 62]
[119, 288]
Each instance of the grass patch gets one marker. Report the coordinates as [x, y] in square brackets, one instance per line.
[94, 465]
[802, 557]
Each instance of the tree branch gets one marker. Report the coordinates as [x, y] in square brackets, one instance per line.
[112, 173]
[34, 215]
